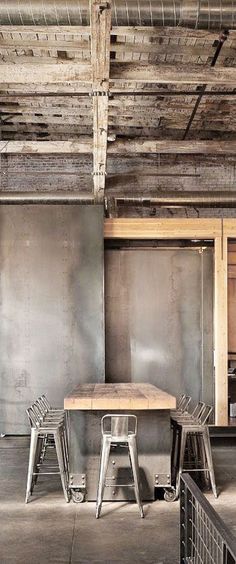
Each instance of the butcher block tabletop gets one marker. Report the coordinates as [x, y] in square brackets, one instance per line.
[118, 396]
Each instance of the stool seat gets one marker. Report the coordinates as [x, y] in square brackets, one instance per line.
[118, 429]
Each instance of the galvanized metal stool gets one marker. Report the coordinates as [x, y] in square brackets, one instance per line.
[188, 415]
[48, 431]
[118, 429]
[176, 419]
[182, 404]
[47, 413]
[193, 432]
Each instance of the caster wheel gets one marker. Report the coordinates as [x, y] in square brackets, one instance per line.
[170, 495]
[77, 496]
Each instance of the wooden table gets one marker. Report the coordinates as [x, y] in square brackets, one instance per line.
[119, 396]
[87, 404]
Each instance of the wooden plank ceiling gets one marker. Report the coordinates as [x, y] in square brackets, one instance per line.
[59, 84]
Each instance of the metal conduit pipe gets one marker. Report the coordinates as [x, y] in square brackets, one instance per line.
[45, 198]
[183, 199]
[198, 14]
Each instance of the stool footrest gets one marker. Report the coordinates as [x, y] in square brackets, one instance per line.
[119, 485]
[45, 473]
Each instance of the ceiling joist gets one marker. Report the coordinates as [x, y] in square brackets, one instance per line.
[122, 31]
[77, 72]
[168, 74]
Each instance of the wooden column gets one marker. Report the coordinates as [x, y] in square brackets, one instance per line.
[100, 14]
[221, 332]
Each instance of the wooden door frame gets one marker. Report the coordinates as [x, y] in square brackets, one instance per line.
[218, 230]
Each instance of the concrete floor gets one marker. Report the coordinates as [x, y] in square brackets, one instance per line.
[48, 530]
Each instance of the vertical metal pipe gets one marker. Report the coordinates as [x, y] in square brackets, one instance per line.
[222, 39]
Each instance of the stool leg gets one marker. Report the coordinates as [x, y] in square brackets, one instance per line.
[183, 436]
[65, 452]
[32, 454]
[66, 438]
[207, 445]
[38, 461]
[175, 463]
[203, 461]
[174, 449]
[44, 446]
[195, 449]
[135, 469]
[106, 444]
[59, 451]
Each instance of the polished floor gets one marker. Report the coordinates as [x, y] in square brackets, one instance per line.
[48, 530]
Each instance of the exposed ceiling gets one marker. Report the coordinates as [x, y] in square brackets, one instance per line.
[156, 116]
[160, 77]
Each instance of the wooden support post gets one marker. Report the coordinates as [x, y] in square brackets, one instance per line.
[221, 332]
[100, 14]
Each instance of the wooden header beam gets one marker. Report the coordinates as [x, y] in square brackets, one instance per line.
[148, 228]
[230, 228]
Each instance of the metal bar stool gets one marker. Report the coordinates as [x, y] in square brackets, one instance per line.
[176, 419]
[47, 432]
[50, 414]
[183, 403]
[189, 415]
[196, 416]
[194, 433]
[118, 429]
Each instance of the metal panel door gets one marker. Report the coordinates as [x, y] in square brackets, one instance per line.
[51, 305]
[159, 320]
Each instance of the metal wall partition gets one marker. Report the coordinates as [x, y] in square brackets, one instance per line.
[204, 538]
[159, 318]
[51, 305]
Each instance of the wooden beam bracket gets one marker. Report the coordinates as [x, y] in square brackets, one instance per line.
[99, 93]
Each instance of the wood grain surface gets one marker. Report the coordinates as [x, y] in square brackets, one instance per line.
[118, 396]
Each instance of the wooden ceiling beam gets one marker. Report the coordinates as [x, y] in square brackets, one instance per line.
[51, 30]
[46, 147]
[171, 147]
[77, 72]
[136, 31]
[168, 74]
[119, 147]
[53, 73]
[100, 21]
[168, 32]
[34, 43]
[75, 46]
